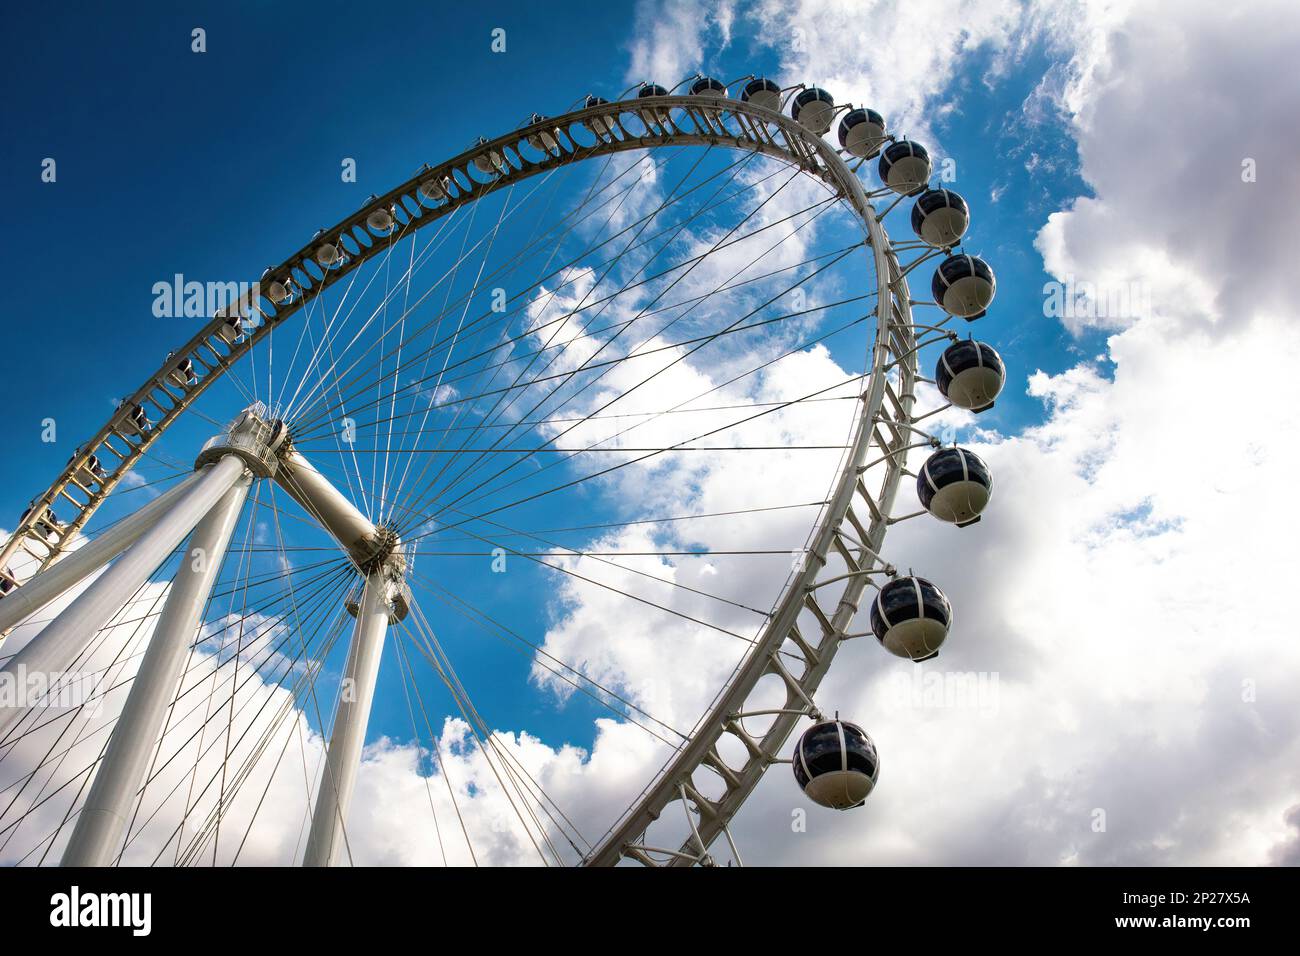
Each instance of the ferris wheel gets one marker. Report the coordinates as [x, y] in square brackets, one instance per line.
[546, 412]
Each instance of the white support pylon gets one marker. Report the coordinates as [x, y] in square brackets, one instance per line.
[77, 565]
[325, 841]
[99, 829]
[53, 650]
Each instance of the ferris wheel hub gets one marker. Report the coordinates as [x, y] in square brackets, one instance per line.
[254, 437]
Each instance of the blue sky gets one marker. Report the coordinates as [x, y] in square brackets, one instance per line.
[213, 165]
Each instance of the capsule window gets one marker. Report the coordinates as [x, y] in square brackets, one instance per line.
[945, 468]
[898, 602]
[936, 605]
[977, 471]
[861, 756]
[991, 359]
[822, 752]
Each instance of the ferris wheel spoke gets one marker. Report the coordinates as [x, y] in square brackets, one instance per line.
[311, 425]
[432, 496]
[305, 407]
[575, 677]
[680, 407]
[320, 614]
[78, 719]
[533, 329]
[477, 494]
[508, 342]
[437, 346]
[426, 642]
[539, 243]
[309, 420]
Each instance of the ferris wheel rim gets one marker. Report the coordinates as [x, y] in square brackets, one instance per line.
[804, 149]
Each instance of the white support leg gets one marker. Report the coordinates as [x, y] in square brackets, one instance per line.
[102, 822]
[325, 842]
[77, 565]
[52, 651]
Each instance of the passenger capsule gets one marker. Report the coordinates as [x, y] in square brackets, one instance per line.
[7, 581]
[655, 116]
[231, 329]
[327, 255]
[433, 189]
[940, 217]
[543, 141]
[89, 472]
[964, 286]
[905, 167]
[970, 375]
[380, 221]
[708, 86]
[762, 92]
[836, 764]
[602, 126]
[862, 132]
[134, 420]
[813, 109]
[181, 373]
[955, 486]
[489, 161]
[276, 289]
[46, 523]
[910, 617]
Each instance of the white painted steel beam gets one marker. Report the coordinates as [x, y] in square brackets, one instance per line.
[51, 652]
[77, 565]
[101, 825]
[317, 494]
[326, 841]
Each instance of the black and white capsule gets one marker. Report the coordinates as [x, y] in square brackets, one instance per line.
[488, 161]
[652, 116]
[910, 617]
[762, 92]
[970, 375]
[434, 189]
[380, 220]
[813, 109]
[836, 764]
[46, 522]
[905, 167]
[708, 86]
[89, 472]
[964, 286]
[133, 420]
[862, 132]
[181, 372]
[602, 126]
[278, 289]
[328, 255]
[940, 217]
[954, 485]
[544, 140]
[231, 329]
